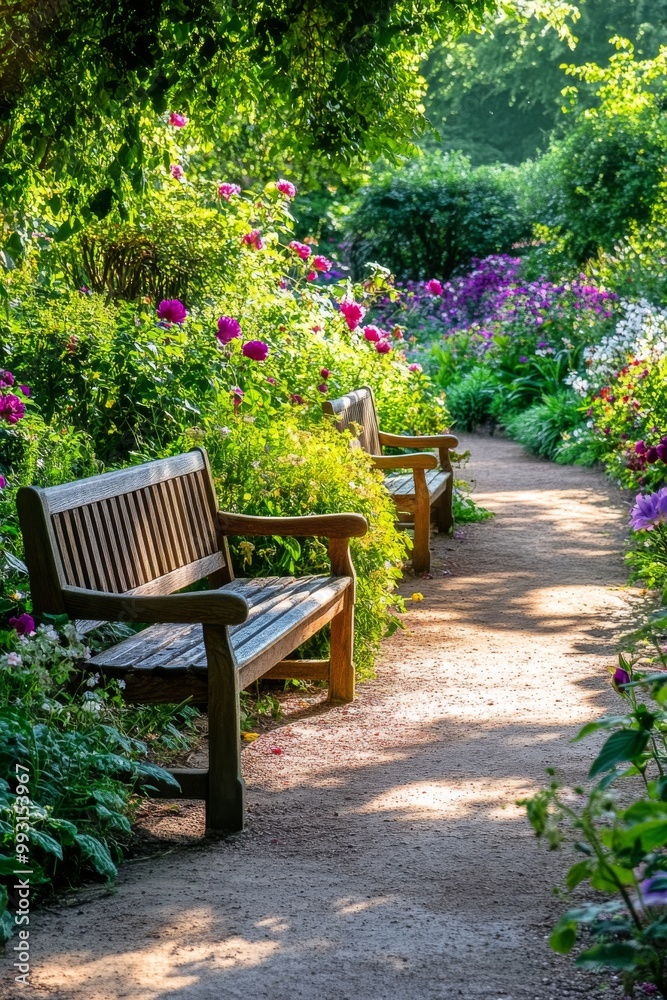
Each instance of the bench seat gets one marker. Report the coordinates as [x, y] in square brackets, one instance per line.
[283, 613]
[401, 485]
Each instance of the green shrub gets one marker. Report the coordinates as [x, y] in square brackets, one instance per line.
[470, 400]
[433, 216]
[540, 428]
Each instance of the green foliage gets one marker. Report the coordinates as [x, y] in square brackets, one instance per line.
[497, 94]
[540, 428]
[636, 266]
[620, 842]
[435, 214]
[470, 400]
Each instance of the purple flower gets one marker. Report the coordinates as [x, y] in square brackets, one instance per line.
[523, 360]
[286, 188]
[651, 455]
[325, 373]
[6, 380]
[177, 172]
[172, 311]
[12, 409]
[297, 399]
[3, 482]
[228, 329]
[649, 511]
[178, 121]
[323, 387]
[256, 350]
[25, 390]
[653, 890]
[620, 677]
[640, 448]
[434, 287]
[24, 624]
[237, 395]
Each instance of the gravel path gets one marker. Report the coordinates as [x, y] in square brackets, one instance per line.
[384, 857]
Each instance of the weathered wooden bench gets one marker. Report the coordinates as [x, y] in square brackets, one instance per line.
[424, 491]
[118, 547]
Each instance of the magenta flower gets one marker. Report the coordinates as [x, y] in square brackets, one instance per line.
[321, 263]
[649, 511]
[353, 313]
[6, 380]
[253, 239]
[228, 329]
[311, 276]
[325, 373]
[415, 368]
[237, 395]
[256, 350]
[661, 450]
[3, 482]
[372, 334]
[434, 287]
[302, 250]
[12, 409]
[523, 360]
[271, 380]
[297, 399]
[286, 188]
[24, 624]
[226, 190]
[383, 347]
[323, 388]
[640, 448]
[177, 171]
[651, 455]
[172, 311]
[25, 389]
[178, 121]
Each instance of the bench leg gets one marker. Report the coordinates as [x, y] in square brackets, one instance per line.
[446, 508]
[421, 555]
[341, 660]
[226, 789]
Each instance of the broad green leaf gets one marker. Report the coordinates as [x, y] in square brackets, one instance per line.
[97, 854]
[628, 744]
[619, 955]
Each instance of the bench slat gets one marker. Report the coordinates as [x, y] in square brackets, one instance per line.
[278, 605]
[402, 484]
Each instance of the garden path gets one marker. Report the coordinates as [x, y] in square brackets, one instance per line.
[385, 857]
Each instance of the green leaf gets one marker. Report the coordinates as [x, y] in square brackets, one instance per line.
[578, 873]
[628, 744]
[619, 955]
[46, 842]
[97, 854]
[563, 937]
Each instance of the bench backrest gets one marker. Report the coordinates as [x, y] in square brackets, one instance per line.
[148, 529]
[358, 408]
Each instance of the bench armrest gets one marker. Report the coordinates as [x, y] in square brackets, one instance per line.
[419, 441]
[205, 607]
[409, 461]
[317, 525]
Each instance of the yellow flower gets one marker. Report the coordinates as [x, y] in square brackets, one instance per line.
[250, 737]
[417, 597]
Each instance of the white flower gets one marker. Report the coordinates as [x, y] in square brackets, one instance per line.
[91, 706]
[86, 654]
[14, 660]
[92, 681]
[121, 684]
[50, 633]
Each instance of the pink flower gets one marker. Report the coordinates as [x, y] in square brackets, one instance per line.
[296, 398]
[323, 388]
[228, 329]
[311, 276]
[226, 190]
[286, 188]
[6, 379]
[321, 263]
[237, 395]
[178, 121]
[177, 171]
[25, 390]
[300, 249]
[3, 482]
[325, 373]
[271, 380]
[172, 311]
[415, 368]
[12, 409]
[434, 287]
[353, 313]
[253, 239]
[372, 334]
[24, 624]
[256, 350]
[383, 347]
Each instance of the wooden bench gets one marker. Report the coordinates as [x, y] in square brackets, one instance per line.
[424, 491]
[118, 546]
